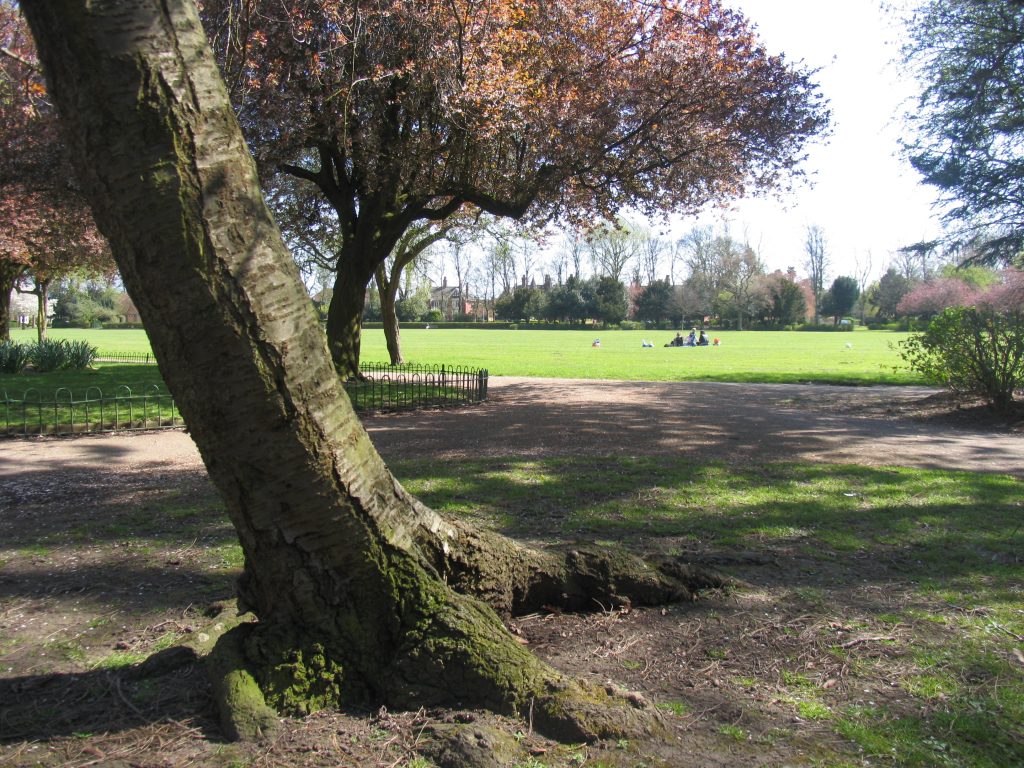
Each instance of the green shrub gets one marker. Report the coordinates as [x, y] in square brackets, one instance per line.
[432, 316]
[48, 355]
[972, 351]
[79, 355]
[13, 357]
[60, 354]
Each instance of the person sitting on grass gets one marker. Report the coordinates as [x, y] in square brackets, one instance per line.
[703, 340]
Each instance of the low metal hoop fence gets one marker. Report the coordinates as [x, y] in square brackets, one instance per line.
[383, 387]
[380, 388]
[63, 414]
[135, 358]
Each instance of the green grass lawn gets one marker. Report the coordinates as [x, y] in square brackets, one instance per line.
[107, 377]
[761, 356]
[863, 357]
[926, 564]
[109, 341]
[109, 396]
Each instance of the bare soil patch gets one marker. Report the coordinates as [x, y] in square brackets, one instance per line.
[115, 548]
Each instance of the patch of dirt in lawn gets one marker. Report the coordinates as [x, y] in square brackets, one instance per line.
[115, 548]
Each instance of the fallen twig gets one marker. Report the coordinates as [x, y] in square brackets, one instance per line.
[860, 640]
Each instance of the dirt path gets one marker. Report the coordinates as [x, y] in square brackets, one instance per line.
[701, 420]
[114, 546]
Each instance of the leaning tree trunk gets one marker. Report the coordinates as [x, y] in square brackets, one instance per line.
[345, 320]
[413, 242]
[9, 274]
[345, 571]
[388, 290]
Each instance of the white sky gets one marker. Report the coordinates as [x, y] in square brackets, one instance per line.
[866, 199]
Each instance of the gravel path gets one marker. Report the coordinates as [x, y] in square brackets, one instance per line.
[699, 420]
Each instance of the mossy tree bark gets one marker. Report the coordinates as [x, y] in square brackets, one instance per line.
[345, 570]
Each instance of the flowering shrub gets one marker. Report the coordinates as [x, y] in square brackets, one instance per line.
[936, 295]
[976, 349]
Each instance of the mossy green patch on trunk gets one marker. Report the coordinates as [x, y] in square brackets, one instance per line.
[307, 681]
[244, 714]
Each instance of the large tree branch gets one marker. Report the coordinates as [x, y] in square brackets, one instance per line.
[32, 65]
[442, 212]
[332, 179]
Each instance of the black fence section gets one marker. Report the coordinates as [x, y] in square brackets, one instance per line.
[62, 414]
[384, 387]
[143, 358]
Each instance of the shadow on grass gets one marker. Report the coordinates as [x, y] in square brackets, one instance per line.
[959, 531]
[41, 707]
[884, 523]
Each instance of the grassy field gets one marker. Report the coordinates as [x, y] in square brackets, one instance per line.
[107, 341]
[903, 588]
[882, 627]
[863, 357]
[106, 377]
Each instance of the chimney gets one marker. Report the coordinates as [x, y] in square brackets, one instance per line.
[524, 281]
[547, 282]
[444, 281]
[668, 279]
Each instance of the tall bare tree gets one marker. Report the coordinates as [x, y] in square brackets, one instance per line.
[652, 251]
[817, 262]
[862, 274]
[612, 247]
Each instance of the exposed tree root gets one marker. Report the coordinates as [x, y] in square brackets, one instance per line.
[462, 745]
[457, 654]
[244, 714]
[514, 579]
[449, 647]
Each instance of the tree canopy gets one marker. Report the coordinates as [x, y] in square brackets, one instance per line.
[397, 111]
[968, 120]
[46, 228]
[840, 297]
[656, 302]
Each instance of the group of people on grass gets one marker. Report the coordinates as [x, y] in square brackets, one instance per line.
[693, 340]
